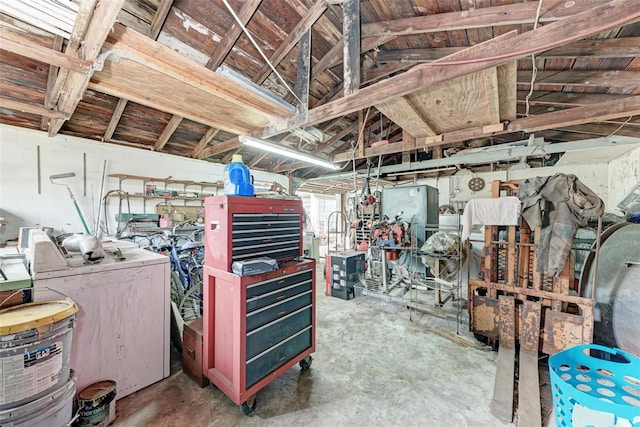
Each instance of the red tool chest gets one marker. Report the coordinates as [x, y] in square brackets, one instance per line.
[257, 327]
[241, 228]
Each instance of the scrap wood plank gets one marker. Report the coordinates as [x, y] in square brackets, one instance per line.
[529, 409]
[502, 402]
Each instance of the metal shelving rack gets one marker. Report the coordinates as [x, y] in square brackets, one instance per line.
[166, 181]
[420, 287]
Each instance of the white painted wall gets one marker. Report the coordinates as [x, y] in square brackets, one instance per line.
[624, 173]
[608, 180]
[21, 205]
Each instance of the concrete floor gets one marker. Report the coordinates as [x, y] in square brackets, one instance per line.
[372, 367]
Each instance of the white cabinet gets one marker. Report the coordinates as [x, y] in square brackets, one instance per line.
[122, 326]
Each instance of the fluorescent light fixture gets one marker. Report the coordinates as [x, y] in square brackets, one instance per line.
[266, 146]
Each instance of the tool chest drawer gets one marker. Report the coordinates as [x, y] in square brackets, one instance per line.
[277, 310]
[272, 333]
[268, 361]
[265, 293]
[254, 235]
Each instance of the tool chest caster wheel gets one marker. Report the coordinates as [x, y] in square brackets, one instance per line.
[246, 409]
[305, 363]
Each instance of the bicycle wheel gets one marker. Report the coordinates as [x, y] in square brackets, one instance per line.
[191, 304]
[177, 290]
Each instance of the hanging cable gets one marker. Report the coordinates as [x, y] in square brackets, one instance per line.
[534, 68]
[251, 39]
[621, 126]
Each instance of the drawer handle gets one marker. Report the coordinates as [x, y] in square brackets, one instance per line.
[280, 297]
[282, 358]
[282, 312]
[191, 353]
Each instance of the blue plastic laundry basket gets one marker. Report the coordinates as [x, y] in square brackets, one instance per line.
[595, 386]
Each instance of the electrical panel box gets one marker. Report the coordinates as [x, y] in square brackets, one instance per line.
[242, 228]
[418, 206]
[347, 271]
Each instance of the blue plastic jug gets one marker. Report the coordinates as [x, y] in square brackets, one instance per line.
[237, 179]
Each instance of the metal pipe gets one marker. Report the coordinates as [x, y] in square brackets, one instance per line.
[73, 199]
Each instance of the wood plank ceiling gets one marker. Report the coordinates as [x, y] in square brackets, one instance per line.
[421, 76]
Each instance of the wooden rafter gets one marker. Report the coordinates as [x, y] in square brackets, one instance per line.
[25, 107]
[83, 19]
[611, 14]
[115, 119]
[220, 147]
[351, 41]
[159, 18]
[164, 60]
[629, 106]
[93, 34]
[626, 47]
[292, 39]
[302, 72]
[231, 36]
[51, 79]
[257, 159]
[495, 16]
[335, 55]
[401, 110]
[204, 141]
[167, 132]
[12, 41]
[615, 81]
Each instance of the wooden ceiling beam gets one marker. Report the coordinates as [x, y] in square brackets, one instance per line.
[512, 14]
[566, 99]
[57, 44]
[625, 47]
[159, 18]
[115, 119]
[496, 50]
[204, 141]
[167, 132]
[102, 20]
[257, 159]
[25, 107]
[83, 19]
[351, 41]
[13, 42]
[314, 13]
[626, 107]
[232, 35]
[612, 79]
[164, 60]
[220, 147]
[335, 54]
[403, 112]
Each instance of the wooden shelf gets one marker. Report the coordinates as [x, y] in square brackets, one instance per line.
[144, 196]
[217, 184]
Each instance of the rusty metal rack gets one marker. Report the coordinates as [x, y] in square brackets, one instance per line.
[513, 303]
[443, 298]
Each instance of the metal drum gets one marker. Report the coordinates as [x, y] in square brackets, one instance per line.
[617, 310]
